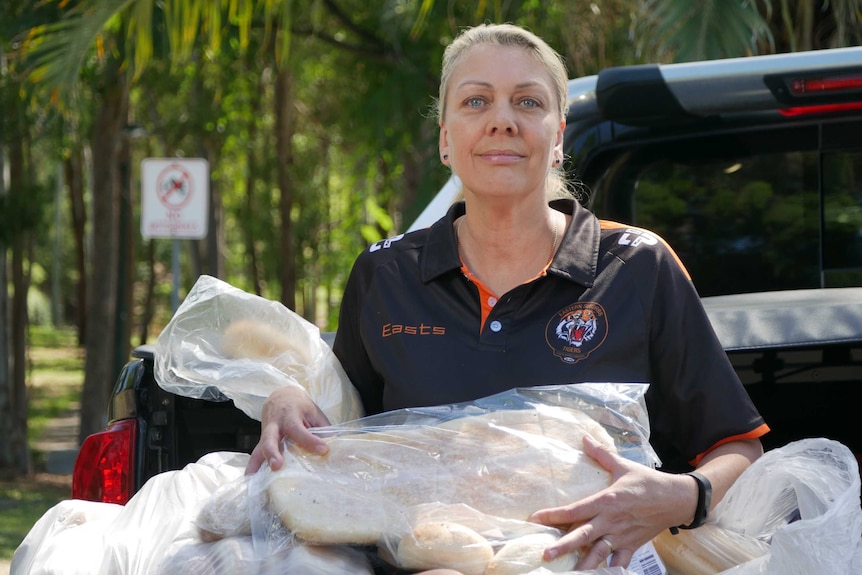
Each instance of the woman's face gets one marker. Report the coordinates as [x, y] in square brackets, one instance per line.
[501, 129]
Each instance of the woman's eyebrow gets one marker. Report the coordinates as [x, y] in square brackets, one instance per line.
[484, 84]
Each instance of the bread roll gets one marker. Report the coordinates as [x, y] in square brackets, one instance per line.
[524, 554]
[225, 513]
[707, 550]
[505, 464]
[252, 339]
[322, 513]
[445, 545]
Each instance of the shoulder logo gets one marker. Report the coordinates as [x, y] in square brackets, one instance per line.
[635, 237]
[577, 330]
[385, 243]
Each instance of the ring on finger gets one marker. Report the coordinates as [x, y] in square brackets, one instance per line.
[609, 544]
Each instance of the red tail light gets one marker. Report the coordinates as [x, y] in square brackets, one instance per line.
[822, 109]
[825, 85]
[104, 468]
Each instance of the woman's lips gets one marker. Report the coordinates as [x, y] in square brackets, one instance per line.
[501, 156]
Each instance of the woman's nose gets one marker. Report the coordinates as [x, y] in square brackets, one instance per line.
[502, 120]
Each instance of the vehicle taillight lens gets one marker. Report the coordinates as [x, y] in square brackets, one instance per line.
[820, 94]
[825, 85]
[823, 109]
[104, 468]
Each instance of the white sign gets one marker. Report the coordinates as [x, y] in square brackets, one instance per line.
[174, 198]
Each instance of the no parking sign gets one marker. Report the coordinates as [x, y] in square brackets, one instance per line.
[175, 198]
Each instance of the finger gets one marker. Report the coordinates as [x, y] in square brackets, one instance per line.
[269, 446]
[600, 452]
[554, 516]
[621, 558]
[255, 461]
[306, 440]
[575, 541]
[597, 554]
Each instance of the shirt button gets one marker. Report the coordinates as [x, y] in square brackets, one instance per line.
[492, 301]
[496, 326]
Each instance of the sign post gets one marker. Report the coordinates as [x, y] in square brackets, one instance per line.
[175, 201]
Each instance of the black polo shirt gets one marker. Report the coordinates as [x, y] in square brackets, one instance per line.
[616, 305]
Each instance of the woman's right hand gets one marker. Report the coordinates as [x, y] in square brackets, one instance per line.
[288, 413]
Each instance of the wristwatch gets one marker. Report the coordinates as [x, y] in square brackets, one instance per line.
[704, 498]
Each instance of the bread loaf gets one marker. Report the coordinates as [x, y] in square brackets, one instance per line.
[525, 554]
[445, 545]
[707, 550]
[503, 463]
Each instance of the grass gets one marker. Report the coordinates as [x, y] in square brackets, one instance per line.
[54, 380]
[23, 502]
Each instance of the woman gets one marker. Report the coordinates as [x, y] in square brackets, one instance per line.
[510, 289]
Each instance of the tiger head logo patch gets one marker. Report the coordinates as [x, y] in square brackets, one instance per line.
[577, 330]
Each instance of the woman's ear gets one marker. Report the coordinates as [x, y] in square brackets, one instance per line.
[443, 144]
[561, 133]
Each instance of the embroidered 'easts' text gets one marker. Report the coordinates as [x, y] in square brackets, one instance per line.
[391, 329]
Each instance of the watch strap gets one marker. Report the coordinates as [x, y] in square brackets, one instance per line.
[704, 499]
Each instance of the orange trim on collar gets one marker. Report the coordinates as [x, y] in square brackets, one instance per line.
[486, 296]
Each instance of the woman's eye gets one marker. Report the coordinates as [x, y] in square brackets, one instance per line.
[475, 102]
[530, 103]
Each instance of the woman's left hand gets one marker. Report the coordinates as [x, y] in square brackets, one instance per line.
[637, 506]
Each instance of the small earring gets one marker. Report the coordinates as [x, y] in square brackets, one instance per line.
[445, 157]
[557, 161]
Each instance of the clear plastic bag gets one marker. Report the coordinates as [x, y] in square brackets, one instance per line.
[237, 556]
[67, 539]
[478, 468]
[794, 511]
[83, 537]
[223, 343]
[804, 500]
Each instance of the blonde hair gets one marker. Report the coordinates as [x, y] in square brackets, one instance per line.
[509, 35]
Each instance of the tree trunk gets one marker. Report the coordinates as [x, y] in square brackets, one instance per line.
[7, 456]
[99, 372]
[149, 290]
[19, 186]
[215, 233]
[284, 150]
[74, 175]
[255, 271]
[125, 255]
[806, 25]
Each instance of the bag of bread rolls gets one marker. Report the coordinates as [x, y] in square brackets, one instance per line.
[504, 456]
[793, 511]
[225, 343]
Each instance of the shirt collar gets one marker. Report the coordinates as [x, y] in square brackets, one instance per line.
[576, 258]
[441, 251]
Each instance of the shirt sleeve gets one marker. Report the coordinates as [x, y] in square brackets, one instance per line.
[349, 346]
[696, 400]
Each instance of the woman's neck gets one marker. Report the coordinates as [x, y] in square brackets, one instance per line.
[506, 250]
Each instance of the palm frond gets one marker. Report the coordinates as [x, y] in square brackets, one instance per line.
[706, 30]
[54, 54]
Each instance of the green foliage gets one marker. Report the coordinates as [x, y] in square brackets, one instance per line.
[689, 31]
[22, 210]
[363, 160]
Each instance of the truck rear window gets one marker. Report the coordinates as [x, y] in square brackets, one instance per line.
[747, 212]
